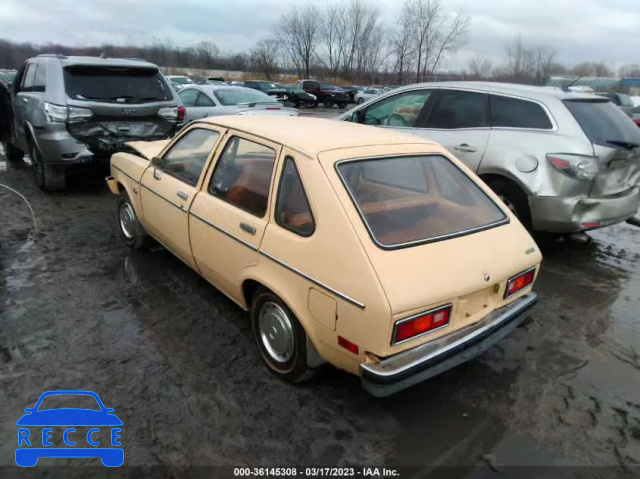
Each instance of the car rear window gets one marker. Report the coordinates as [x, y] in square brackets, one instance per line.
[509, 112]
[417, 199]
[116, 84]
[604, 123]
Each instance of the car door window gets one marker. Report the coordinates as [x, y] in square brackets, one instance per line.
[515, 113]
[243, 175]
[399, 110]
[293, 211]
[29, 77]
[187, 157]
[204, 101]
[40, 79]
[455, 109]
[189, 96]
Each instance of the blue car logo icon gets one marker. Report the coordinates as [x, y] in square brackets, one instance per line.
[41, 427]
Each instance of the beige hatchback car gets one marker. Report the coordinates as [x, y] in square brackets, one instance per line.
[375, 251]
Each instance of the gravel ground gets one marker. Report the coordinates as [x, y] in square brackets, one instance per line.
[177, 361]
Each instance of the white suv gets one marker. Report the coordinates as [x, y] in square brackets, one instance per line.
[563, 162]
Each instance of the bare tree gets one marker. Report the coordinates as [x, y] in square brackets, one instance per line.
[401, 41]
[450, 35]
[520, 60]
[264, 57]
[480, 67]
[426, 16]
[299, 32]
[206, 52]
[333, 33]
[543, 59]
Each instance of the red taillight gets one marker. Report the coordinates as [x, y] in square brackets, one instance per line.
[421, 324]
[348, 345]
[519, 282]
[593, 224]
[182, 111]
[560, 163]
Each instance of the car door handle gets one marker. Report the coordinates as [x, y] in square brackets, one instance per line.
[466, 148]
[248, 228]
[155, 174]
[182, 195]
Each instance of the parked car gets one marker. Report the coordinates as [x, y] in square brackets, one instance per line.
[179, 81]
[203, 101]
[67, 111]
[272, 89]
[621, 100]
[299, 97]
[562, 162]
[367, 95]
[301, 229]
[351, 92]
[326, 93]
[6, 77]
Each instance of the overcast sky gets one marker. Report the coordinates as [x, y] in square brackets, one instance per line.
[580, 30]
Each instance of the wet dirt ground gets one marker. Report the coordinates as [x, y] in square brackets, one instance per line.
[177, 361]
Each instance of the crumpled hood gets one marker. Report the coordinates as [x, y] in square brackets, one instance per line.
[148, 149]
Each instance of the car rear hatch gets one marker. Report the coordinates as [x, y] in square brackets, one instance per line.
[616, 144]
[435, 238]
[121, 103]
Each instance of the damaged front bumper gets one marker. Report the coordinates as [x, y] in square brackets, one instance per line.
[413, 366]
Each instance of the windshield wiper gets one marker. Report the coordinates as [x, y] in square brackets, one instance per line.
[624, 144]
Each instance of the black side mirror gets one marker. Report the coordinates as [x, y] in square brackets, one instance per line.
[157, 162]
[358, 116]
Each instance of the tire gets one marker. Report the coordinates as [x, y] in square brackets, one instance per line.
[342, 105]
[285, 352]
[328, 104]
[514, 198]
[360, 101]
[48, 178]
[12, 152]
[131, 231]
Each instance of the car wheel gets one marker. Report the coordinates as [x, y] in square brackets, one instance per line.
[280, 337]
[514, 198]
[48, 178]
[131, 231]
[11, 152]
[360, 101]
[342, 105]
[328, 104]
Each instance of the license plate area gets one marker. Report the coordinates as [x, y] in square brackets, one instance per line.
[473, 303]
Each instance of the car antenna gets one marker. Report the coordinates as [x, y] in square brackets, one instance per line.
[566, 88]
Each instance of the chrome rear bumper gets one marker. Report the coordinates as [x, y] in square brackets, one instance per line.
[415, 365]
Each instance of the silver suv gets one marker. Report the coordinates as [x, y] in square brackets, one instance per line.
[73, 110]
[562, 162]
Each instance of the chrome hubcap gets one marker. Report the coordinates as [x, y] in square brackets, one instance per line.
[276, 332]
[127, 220]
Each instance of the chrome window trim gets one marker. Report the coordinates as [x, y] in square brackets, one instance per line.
[434, 239]
[315, 281]
[448, 306]
[224, 232]
[176, 205]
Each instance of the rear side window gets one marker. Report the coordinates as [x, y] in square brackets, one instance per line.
[188, 96]
[292, 206]
[604, 123]
[115, 84]
[515, 113]
[454, 109]
[186, 159]
[204, 101]
[243, 175]
[40, 79]
[446, 204]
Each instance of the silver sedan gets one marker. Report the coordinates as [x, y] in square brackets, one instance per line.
[203, 101]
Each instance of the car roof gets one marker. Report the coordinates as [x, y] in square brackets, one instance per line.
[99, 61]
[314, 135]
[529, 91]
